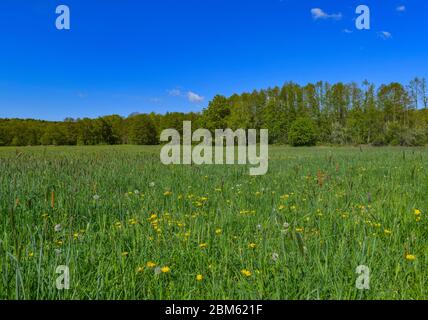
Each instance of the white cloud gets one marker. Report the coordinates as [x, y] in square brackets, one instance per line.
[347, 31]
[385, 35]
[174, 92]
[318, 13]
[194, 97]
[401, 8]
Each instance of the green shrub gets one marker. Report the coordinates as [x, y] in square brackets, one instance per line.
[302, 133]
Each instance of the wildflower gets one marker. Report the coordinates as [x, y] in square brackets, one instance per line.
[418, 212]
[132, 221]
[45, 216]
[218, 232]
[199, 277]
[31, 254]
[410, 257]
[203, 245]
[167, 193]
[387, 232]
[96, 197]
[418, 219]
[246, 273]
[300, 230]
[75, 236]
[136, 192]
[252, 245]
[58, 228]
[151, 184]
[150, 264]
[58, 242]
[166, 269]
[57, 251]
[275, 256]
[158, 270]
[140, 269]
[118, 225]
[281, 207]
[286, 226]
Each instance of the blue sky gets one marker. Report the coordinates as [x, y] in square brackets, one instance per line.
[132, 55]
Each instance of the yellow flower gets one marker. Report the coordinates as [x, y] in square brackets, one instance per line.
[140, 269]
[281, 207]
[418, 219]
[203, 245]
[31, 254]
[132, 221]
[76, 236]
[118, 225]
[45, 215]
[300, 230]
[387, 232]
[218, 231]
[246, 273]
[252, 245]
[410, 257]
[165, 269]
[418, 212]
[167, 193]
[150, 264]
[199, 277]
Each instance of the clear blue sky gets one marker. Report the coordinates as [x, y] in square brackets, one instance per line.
[166, 55]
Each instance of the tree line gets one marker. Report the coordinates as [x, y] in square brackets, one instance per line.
[317, 113]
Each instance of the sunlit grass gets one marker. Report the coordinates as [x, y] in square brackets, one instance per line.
[131, 228]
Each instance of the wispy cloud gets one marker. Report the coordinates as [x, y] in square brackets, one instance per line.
[318, 13]
[401, 8]
[385, 35]
[174, 92]
[194, 97]
[347, 31]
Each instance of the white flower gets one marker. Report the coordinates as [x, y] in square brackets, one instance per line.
[151, 184]
[96, 197]
[136, 192]
[58, 228]
[58, 252]
[158, 270]
[286, 226]
[259, 226]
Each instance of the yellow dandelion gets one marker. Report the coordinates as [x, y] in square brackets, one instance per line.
[218, 231]
[140, 269]
[252, 245]
[31, 254]
[150, 264]
[167, 193]
[199, 277]
[203, 245]
[418, 212]
[410, 257]
[166, 269]
[387, 232]
[246, 273]
[300, 230]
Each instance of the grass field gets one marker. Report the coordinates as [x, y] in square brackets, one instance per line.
[131, 228]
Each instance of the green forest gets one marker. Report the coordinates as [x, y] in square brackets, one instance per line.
[315, 114]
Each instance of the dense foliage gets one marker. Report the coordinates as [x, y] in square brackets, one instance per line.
[341, 113]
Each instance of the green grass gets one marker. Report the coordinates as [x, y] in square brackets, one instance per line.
[341, 201]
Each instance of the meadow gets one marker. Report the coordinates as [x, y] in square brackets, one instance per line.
[129, 227]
